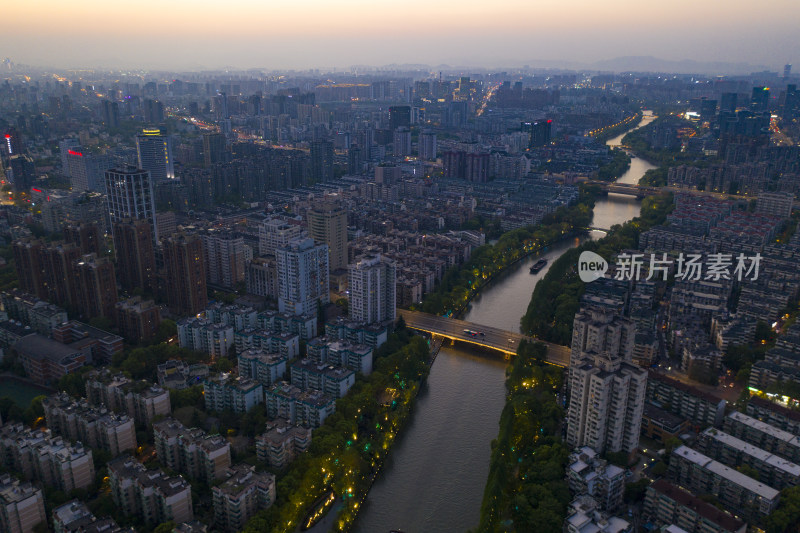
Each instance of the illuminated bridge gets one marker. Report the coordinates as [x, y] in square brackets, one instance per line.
[493, 338]
[627, 189]
[641, 191]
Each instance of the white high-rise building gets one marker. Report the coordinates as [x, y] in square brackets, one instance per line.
[606, 390]
[275, 233]
[226, 255]
[775, 204]
[327, 223]
[85, 169]
[155, 154]
[427, 146]
[63, 149]
[129, 193]
[402, 142]
[372, 287]
[596, 330]
[303, 276]
[606, 404]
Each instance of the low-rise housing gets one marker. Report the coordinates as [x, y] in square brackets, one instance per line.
[150, 495]
[203, 335]
[666, 504]
[700, 408]
[241, 495]
[21, 505]
[772, 470]
[660, 425]
[588, 474]
[40, 315]
[225, 392]
[281, 443]
[138, 399]
[309, 408]
[264, 367]
[740, 494]
[191, 451]
[95, 427]
[176, 374]
[332, 380]
[46, 360]
[75, 517]
[774, 414]
[763, 435]
[583, 516]
[36, 454]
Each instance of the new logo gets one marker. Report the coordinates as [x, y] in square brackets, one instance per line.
[591, 266]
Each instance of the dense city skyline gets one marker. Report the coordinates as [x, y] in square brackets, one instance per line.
[450, 266]
[247, 34]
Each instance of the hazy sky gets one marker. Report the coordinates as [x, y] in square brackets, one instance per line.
[189, 34]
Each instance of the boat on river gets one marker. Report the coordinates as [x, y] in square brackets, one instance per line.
[538, 265]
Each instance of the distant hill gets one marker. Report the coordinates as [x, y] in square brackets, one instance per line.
[684, 66]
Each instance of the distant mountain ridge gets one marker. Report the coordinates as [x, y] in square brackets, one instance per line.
[684, 66]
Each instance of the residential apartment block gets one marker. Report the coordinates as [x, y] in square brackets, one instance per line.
[333, 381]
[772, 470]
[241, 495]
[588, 474]
[667, 504]
[36, 454]
[606, 404]
[263, 367]
[774, 414]
[191, 451]
[309, 408]
[138, 399]
[96, 427]
[150, 495]
[21, 505]
[763, 435]
[281, 443]
[700, 408]
[224, 392]
[747, 498]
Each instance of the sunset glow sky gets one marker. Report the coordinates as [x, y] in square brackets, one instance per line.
[192, 34]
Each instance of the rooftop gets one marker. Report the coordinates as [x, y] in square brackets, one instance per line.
[704, 509]
[763, 427]
[763, 403]
[674, 383]
[754, 451]
[734, 476]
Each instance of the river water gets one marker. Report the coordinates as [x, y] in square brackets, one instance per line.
[436, 472]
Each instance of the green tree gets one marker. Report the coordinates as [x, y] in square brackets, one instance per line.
[786, 517]
[223, 364]
[634, 492]
[102, 322]
[659, 469]
[166, 527]
[74, 383]
[188, 397]
[670, 444]
[167, 329]
[749, 471]
[9, 410]
[35, 411]
[620, 459]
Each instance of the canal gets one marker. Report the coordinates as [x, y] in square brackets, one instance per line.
[436, 472]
